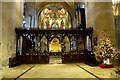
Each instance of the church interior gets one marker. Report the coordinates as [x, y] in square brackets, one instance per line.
[59, 39]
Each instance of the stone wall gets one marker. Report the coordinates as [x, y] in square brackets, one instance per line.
[100, 17]
[11, 18]
[0, 40]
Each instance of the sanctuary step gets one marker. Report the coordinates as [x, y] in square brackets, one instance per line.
[55, 60]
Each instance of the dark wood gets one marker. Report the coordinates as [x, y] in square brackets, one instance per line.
[83, 21]
[26, 59]
[30, 56]
[44, 59]
[35, 59]
[73, 58]
[21, 31]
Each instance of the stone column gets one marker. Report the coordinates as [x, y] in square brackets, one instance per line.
[117, 22]
[11, 18]
[30, 21]
[79, 17]
[0, 40]
[76, 19]
[100, 17]
[74, 22]
[5, 18]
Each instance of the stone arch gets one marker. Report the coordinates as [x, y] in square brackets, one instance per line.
[50, 24]
[65, 5]
[55, 45]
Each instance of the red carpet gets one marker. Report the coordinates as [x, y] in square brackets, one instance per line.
[106, 65]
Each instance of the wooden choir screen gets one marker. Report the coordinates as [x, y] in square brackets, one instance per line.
[30, 50]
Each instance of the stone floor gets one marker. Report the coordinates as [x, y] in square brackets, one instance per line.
[56, 70]
[76, 70]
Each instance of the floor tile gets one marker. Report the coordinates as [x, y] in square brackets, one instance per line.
[100, 72]
[57, 71]
[15, 71]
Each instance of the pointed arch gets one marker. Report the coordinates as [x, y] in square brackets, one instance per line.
[44, 44]
[54, 16]
[55, 45]
[66, 43]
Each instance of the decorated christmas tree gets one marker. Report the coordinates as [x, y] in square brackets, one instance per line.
[105, 50]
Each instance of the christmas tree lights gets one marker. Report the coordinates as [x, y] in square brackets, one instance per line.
[105, 50]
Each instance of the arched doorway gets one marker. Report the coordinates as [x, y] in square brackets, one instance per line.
[55, 45]
[55, 48]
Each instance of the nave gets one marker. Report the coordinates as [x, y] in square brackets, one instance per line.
[80, 32]
[55, 71]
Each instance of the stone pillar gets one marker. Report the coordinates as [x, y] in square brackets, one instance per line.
[79, 17]
[0, 40]
[11, 18]
[5, 26]
[74, 22]
[117, 22]
[100, 17]
[36, 19]
[30, 20]
[76, 19]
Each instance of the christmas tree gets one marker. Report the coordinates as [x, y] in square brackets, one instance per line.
[105, 50]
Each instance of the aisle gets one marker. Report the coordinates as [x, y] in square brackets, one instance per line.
[99, 72]
[55, 60]
[48, 71]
